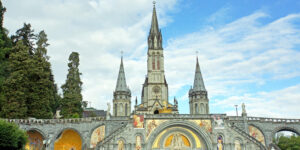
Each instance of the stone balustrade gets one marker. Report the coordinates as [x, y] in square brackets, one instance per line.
[54, 121]
[274, 120]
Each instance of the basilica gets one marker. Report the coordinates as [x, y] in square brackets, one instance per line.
[155, 123]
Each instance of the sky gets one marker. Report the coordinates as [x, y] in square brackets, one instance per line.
[248, 50]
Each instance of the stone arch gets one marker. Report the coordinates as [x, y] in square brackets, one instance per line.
[285, 128]
[92, 131]
[36, 138]
[38, 130]
[201, 133]
[259, 129]
[61, 132]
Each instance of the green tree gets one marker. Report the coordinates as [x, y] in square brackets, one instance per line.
[5, 47]
[27, 36]
[41, 85]
[289, 143]
[11, 136]
[71, 103]
[16, 86]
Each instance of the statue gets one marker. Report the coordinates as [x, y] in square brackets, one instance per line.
[108, 110]
[243, 108]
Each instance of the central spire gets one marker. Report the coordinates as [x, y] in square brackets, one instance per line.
[155, 37]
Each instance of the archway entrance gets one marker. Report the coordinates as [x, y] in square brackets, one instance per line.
[176, 135]
[68, 140]
[286, 138]
[156, 112]
[35, 140]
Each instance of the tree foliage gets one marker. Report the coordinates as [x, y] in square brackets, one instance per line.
[11, 136]
[289, 143]
[17, 86]
[71, 104]
[5, 47]
[27, 36]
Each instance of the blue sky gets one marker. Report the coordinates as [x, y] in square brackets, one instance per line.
[249, 50]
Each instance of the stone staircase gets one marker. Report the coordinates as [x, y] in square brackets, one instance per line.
[274, 146]
[243, 133]
[112, 135]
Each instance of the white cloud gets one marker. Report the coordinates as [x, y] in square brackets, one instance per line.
[245, 51]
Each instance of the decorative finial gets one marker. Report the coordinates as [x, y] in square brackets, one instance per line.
[154, 2]
[121, 53]
[197, 53]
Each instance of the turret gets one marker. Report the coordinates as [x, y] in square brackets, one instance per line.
[122, 95]
[199, 103]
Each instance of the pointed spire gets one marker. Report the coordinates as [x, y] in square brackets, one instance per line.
[154, 23]
[155, 37]
[198, 81]
[121, 83]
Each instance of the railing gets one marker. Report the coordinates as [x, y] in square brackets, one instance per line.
[111, 135]
[262, 147]
[275, 120]
[54, 121]
[261, 119]
[272, 145]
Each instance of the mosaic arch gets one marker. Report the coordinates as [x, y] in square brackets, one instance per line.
[35, 140]
[257, 134]
[97, 136]
[69, 139]
[175, 135]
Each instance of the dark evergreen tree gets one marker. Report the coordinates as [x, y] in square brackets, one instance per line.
[71, 104]
[16, 87]
[41, 85]
[27, 36]
[5, 47]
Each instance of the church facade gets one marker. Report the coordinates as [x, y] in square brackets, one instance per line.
[155, 123]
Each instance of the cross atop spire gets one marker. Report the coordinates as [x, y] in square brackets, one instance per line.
[198, 81]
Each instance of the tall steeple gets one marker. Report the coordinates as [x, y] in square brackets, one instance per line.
[155, 37]
[198, 80]
[122, 95]
[121, 82]
[199, 102]
[155, 93]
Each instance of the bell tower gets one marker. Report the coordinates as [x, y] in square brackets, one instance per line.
[198, 99]
[155, 88]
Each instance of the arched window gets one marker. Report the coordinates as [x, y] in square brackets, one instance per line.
[153, 61]
[116, 108]
[158, 67]
[196, 108]
[125, 109]
[202, 108]
[121, 109]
